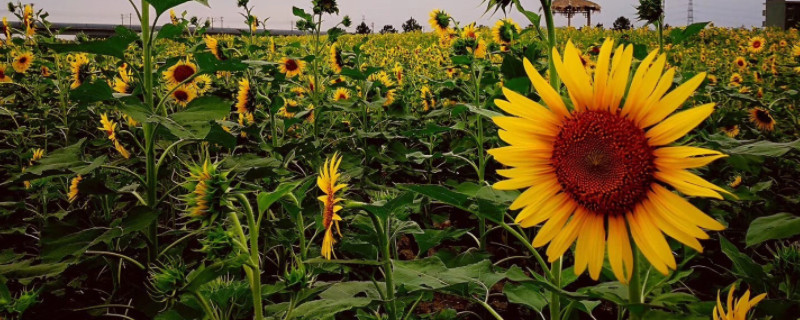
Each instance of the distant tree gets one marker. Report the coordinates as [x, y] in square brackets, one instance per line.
[363, 28]
[411, 25]
[599, 26]
[388, 29]
[622, 23]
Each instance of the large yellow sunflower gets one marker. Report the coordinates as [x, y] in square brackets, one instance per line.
[440, 21]
[79, 65]
[762, 119]
[180, 72]
[756, 44]
[22, 62]
[292, 67]
[336, 58]
[327, 182]
[599, 173]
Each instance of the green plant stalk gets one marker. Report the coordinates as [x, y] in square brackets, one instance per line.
[255, 274]
[481, 152]
[551, 43]
[149, 130]
[635, 286]
[555, 300]
[660, 27]
[316, 73]
[388, 270]
[205, 305]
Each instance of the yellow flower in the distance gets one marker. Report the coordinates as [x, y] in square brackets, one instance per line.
[327, 182]
[22, 61]
[598, 173]
[756, 44]
[291, 67]
[4, 78]
[73, 188]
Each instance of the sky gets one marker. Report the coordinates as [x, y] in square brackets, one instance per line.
[728, 13]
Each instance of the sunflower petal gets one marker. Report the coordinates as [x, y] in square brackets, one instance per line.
[673, 100]
[549, 95]
[678, 125]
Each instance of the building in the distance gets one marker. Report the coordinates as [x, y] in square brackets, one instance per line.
[783, 14]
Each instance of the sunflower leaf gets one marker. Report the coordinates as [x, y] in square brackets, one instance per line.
[778, 226]
[114, 46]
[162, 6]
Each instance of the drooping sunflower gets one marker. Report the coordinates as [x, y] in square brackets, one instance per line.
[327, 181]
[184, 94]
[740, 62]
[79, 66]
[336, 58]
[27, 18]
[341, 94]
[180, 72]
[207, 186]
[506, 31]
[245, 98]
[737, 309]
[440, 21]
[599, 172]
[762, 119]
[7, 31]
[4, 78]
[109, 127]
[73, 188]
[736, 80]
[22, 62]
[390, 97]
[213, 45]
[731, 131]
[291, 67]
[123, 82]
[756, 44]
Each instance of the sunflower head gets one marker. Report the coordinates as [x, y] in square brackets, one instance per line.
[4, 78]
[123, 82]
[208, 187]
[649, 10]
[737, 308]
[327, 181]
[470, 32]
[202, 83]
[341, 94]
[761, 118]
[245, 98]
[74, 185]
[736, 80]
[215, 47]
[740, 62]
[440, 21]
[109, 127]
[506, 31]
[79, 66]
[597, 173]
[180, 72]
[291, 67]
[731, 131]
[336, 61]
[22, 61]
[756, 44]
[325, 6]
[183, 94]
[428, 100]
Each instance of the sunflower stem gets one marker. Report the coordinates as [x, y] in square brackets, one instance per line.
[551, 43]
[149, 130]
[555, 301]
[635, 286]
[255, 276]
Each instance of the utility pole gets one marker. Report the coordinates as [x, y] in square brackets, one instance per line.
[122, 18]
[221, 23]
[130, 19]
[690, 13]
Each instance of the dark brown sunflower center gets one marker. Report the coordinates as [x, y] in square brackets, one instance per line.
[291, 65]
[23, 60]
[2, 74]
[763, 116]
[603, 161]
[183, 72]
[756, 44]
[181, 95]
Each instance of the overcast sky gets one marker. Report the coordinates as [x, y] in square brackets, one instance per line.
[730, 13]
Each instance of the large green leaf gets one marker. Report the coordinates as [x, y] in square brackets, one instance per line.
[195, 121]
[680, 35]
[774, 227]
[91, 92]
[325, 309]
[764, 148]
[57, 162]
[204, 274]
[478, 206]
[266, 199]
[432, 274]
[162, 6]
[208, 63]
[743, 265]
[430, 238]
[58, 244]
[527, 294]
[114, 46]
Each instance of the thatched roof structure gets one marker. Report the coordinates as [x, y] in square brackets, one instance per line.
[571, 7]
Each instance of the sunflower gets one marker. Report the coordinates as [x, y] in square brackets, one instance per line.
[207, 186]
[756, 44]
[757, 77]
[341, 94]
[253, 24]
[172, 17]
[73, 188]
[184, 94]
[4, 78]
[79, 66]
[123, 83]
[762, 119]
[740, 62]
[796, 51]
[27, 18]
[451, 72]
[505, 31]
[289, 108]
[45, 71]
[599, 171]
[180, 72]
[22, 61]
[428, 100]
[310, 118]
[440, 21]
[390, 97]
[336, 58]
[737, 181]
[292, 67]
[470, 32]
[731, 131]
[398, 73]
[202, 83]
[213, 45]
[110, 128]
[7, 31]
[327, 182]
[381, 77]
[245, 98]
[736, 80]
[737, 309]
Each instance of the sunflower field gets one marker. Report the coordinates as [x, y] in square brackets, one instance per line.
[469, 172]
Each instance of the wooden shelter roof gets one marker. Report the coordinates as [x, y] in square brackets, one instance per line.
[574, 6]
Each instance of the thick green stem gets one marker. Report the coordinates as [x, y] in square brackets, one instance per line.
[555, 300]
[388, 270]
[551, 43]
[660, 29]
[149, 129]
[255, 274]
[635, 286]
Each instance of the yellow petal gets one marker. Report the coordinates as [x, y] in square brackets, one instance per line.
[678, 125]
[673, 100]
[549, 95]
